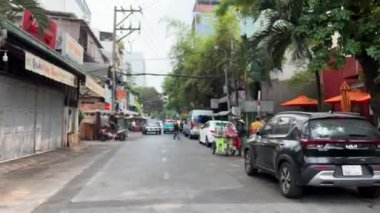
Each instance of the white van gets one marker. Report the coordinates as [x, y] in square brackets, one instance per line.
[194, 121]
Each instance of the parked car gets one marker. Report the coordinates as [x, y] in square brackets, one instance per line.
[168, 127]
[194, 121]
[317, 149]
[160, 123]
[207, 132]
[151, 127]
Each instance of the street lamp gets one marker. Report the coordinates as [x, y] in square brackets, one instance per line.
[217, 48]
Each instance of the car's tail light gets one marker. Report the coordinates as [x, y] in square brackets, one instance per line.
[322, 168]
[313, 144]
[192, 124]
[212, 131]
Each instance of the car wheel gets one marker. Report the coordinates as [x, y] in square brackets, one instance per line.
[207, 142]
[287, 181]
[369, 192]
[191, 137]
[249, 164]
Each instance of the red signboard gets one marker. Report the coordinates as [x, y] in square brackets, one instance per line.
[121, 94]
[30, 25]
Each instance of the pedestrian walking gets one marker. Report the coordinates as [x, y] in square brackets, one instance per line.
[176, 131]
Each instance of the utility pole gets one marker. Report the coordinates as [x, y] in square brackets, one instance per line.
[118, 26]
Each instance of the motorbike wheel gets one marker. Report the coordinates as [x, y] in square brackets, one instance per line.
[102, 138]
[227, 150]
[213, 148]
[122, 137]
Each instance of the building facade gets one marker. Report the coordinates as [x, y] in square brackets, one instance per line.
[135, 62]
[78, 7]
[42, 79]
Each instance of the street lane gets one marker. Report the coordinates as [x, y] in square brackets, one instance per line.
[157, 174]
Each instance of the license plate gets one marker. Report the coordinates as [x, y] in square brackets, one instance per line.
[352, 170]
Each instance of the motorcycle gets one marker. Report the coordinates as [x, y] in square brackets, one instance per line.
[106, 134]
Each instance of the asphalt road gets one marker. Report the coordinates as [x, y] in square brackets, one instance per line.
[156, 174]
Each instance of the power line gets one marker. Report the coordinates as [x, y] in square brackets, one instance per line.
[151, 33]
[152, 59]
[172, 75]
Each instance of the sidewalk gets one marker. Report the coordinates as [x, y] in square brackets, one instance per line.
[55, 156]
[27, 182]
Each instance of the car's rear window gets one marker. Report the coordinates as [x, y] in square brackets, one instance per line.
[342, 128]
[202, 119]
[153, 124]
[221, 124]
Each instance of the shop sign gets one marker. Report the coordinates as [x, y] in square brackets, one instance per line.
[132, 100]
[214, 103]
[72, 49]
[30, 25]
[95, 87]
[38, 65]
[121, 94]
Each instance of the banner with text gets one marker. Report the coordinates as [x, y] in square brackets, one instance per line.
[37, 65]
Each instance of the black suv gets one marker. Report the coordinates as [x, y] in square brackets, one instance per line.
[317, 149]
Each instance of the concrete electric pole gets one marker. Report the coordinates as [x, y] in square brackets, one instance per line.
[118, 26]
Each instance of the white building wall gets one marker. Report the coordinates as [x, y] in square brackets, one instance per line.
[78, 7]
[137, 62]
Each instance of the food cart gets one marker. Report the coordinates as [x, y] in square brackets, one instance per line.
[224, 142]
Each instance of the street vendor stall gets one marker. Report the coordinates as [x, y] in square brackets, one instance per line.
[351, 101]
[92, 122]
[227, 141]
[304, 102]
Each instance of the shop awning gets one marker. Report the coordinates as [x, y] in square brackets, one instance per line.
[59, 69]
[355, 96]
[92, 85]
[222, 113]
[128, 112]
[300, 101]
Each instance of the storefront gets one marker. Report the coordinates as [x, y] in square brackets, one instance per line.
[39, 92]
[344, 89]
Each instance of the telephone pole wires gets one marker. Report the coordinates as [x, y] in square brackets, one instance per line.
[118, 26]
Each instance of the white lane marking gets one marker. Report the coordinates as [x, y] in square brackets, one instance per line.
[166, 176]
[164, 160]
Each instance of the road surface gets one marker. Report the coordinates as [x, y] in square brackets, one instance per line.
[156, 174]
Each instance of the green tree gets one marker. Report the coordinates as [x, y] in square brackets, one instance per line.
[197, 56]
[150, 99]
[10, 8]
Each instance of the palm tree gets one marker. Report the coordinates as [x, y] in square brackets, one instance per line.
[279, 36]
[10, 8]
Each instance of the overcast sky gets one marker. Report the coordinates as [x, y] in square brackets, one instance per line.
[153, 42]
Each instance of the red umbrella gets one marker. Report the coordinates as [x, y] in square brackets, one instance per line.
[300, 101]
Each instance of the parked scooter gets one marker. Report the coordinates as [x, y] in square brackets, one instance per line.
[106, 134]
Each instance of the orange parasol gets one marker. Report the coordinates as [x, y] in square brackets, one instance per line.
[300, 101]
[355, 97]
[345, 101]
